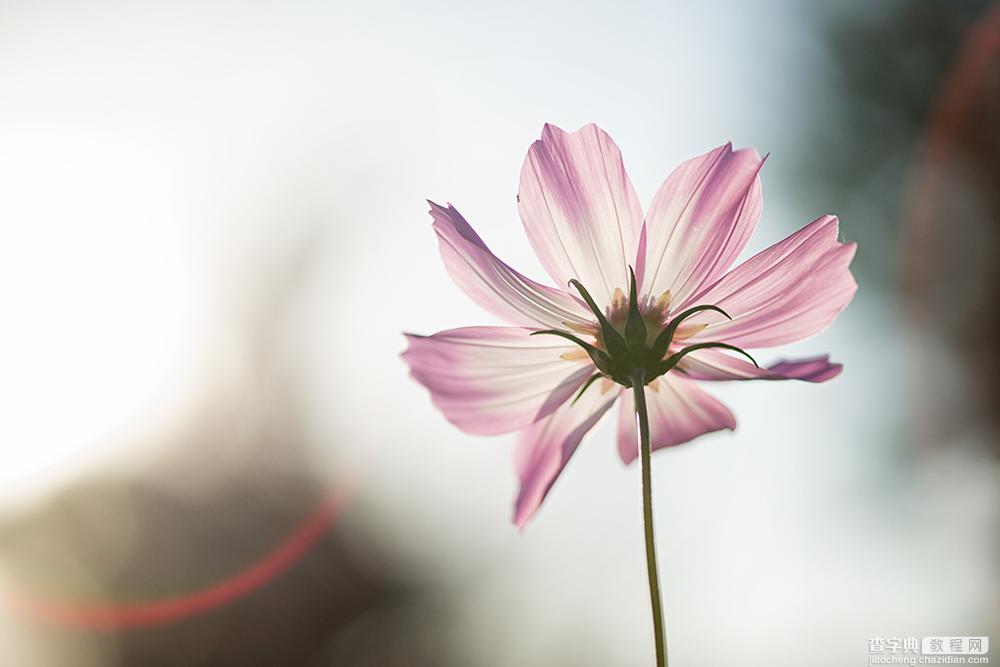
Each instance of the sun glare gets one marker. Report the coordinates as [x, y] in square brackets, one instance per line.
[97, 294]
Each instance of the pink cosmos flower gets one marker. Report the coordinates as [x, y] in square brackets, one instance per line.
[584, 222]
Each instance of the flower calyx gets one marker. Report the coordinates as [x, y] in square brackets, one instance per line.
[625, 352]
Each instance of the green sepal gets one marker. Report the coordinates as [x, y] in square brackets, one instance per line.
[598, 356]
[662, 342]
[586, 384]
[635, 326]
[617, 347]
[674, 358]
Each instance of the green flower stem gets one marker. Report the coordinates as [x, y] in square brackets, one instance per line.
[638, 390]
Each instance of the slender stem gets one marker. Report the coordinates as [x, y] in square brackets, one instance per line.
[638, 390]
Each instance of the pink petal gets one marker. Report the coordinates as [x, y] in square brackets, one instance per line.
[717, 365]
[580, 210]
[490, 380]
[495, 286]
[700, 221]
[790, 291]
[543, 449]
[678, 412]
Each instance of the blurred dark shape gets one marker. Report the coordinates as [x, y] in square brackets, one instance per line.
[126, 542]
[910, 160]
[890, 62]
[230, 486]
[952, 240]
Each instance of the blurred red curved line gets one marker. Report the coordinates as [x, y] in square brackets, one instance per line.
[979, 50]
[117, 616]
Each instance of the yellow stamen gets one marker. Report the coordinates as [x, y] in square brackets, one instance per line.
[688, 330]
[587, 328]
[576, 354]
[663, 303]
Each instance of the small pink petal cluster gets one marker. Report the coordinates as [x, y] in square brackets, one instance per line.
[584, 221]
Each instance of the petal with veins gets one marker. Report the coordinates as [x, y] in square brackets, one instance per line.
[491, 380]
[543, 449]
[717, 365]
[580, 210]
[783, 294]
[493, 284]
[700, 220]
[678, 411]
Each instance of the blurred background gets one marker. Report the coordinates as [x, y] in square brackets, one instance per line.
[214, 233]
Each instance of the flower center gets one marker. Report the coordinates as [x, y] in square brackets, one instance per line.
[654, 313]
[631, 341]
